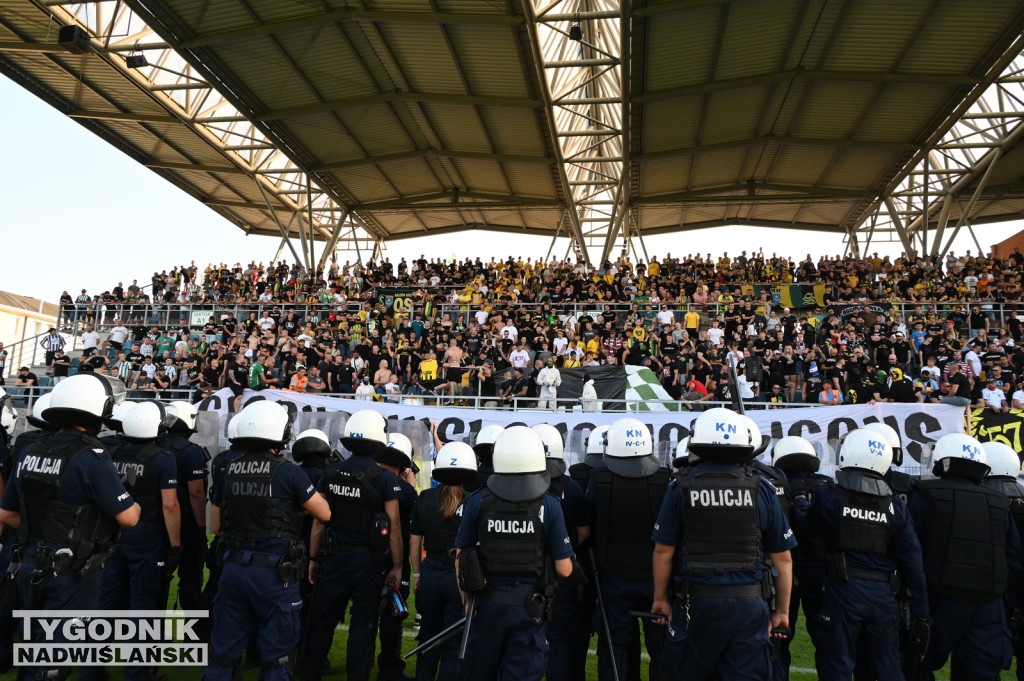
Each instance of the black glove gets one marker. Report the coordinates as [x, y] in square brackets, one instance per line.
[577, 578]
[173, 561]
[920, 634]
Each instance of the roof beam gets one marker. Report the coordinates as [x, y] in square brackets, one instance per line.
[873, 145]
[123, 116]
[397, 97]
[199, 167]
[435, 153]
[354, 14]
[728, 222]
[18, 46]
[224, 203]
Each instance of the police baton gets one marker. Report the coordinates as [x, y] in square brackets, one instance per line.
[604, 613]
[470, 612]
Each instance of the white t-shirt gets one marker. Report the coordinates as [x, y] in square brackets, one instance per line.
[993, 398]
[481, 317]
[561, 342]
[1018, 396]
[118, 334]
[715, 336]
[666, 317]
[90, 339]
[513, 332]
[972, 358]
[519, 358]
[266, 324]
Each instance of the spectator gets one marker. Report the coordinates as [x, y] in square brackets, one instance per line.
[61, 366]
[51, 343]
[993, 398]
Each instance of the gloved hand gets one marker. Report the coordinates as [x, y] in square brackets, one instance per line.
[576, 578]
[173, 561]
[920, 634]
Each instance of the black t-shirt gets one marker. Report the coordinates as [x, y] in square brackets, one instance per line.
[240, 373]
[344, 375]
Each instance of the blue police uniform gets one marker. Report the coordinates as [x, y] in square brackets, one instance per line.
[209, 595]
[389, 663]
[505, 641]
[314, 471]
[133, 576]
[438, 599]
[191, 466]
[259, 497]
[353, 569]
[57, 479]
[720, 619]
[868, 539]
[1014, 493]
[8, 538]
[972, 557]
[622, 511]
[566, 660]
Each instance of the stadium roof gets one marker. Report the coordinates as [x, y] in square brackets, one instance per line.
[593, 119]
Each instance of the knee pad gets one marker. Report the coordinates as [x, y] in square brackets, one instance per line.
[286, 661]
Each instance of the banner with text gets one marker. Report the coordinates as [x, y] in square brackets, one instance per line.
[920, 425]
[796, 296]
[993, 426]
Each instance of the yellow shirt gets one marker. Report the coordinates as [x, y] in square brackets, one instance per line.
[692, 320]
[653, 269]
[428, 369]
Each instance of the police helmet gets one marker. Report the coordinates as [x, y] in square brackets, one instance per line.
[554, 448]
[8, 417]
[1001, 459]
[366, 433]
[794, 454]
[36, 417]
[758, 441]
[682, 458]
[263, 425]
[596, 443]
[85, 399]
[233, 428]
[455, 464]
[311, 446]
[114, 423]
[484, 445]
[520, 469]
[890, 434]
[961, 455]
[145, 421]
[867, 450]
[630, 449]
[398, 453]
[721, 436]
[185, 416]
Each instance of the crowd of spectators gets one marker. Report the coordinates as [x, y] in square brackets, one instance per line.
[472, 327]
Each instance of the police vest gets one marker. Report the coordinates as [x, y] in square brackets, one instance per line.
[808, 549]
[721, 520]
[1014, 493]
[865, 523]
[580, 473]
[511, 536]
[965, 541]
[353, 503]
[134, 464]
[625, 510]
[84, 528]
[438, 532]
[782, 489]
[176, 444]
[249, 514]
[900, 482]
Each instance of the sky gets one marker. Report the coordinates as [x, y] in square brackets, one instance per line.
[77, 213]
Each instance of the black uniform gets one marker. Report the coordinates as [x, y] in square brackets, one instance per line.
[1014, 493]
[191, 460]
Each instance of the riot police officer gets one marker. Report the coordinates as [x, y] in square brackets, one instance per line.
[312, 451]
[514, 533]
[624, 499]
[593, 458]
[484, 449]
[67, 500]
[191, 462]
[256, 512]
[796, 459]
[397, 459]
[145, 555]
[970, 547]
[901, 483]
[433, 528]
[567, 658]
[870, 544]
[360, 550]
[721, 517]
[42, 429]
[1004, 468]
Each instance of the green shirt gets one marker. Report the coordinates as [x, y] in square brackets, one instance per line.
[256, 374]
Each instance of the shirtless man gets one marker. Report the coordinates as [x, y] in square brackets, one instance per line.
[382, 376]
[453, 361]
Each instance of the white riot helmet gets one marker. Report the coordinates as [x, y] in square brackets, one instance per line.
[597, 441]
[455, 464]
[867, 450]
[893, 438]
[520, 469]
[630, 449]
[8, 417]
[398, 453]
[85, 399]
[554, 448]
[1002, 460]
[366, 433]
[36, 417]
[185, 416]
[960, 455]
[115, 420]
[145, 421]
[261, 425]
[794, 454]
[311, 446]
[233, 428]
[682, 457]
[757, 440]
[721, 436]
[484, 445]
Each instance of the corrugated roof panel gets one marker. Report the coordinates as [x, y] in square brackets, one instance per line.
[829, 109]
[204, 17]
[799, 165]
[457, 125]
[756, 41]
[670, 124]
[489, 60]
[534, 181]
[483, 176]
[515, 130]
[858, 168]
[680, 47]
[733, 115]
[423, 57]
[411, 177]
[664, 176]
[963, 25]
[903, 110]
[873, 34]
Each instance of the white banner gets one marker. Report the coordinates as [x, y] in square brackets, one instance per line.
[920, 425]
